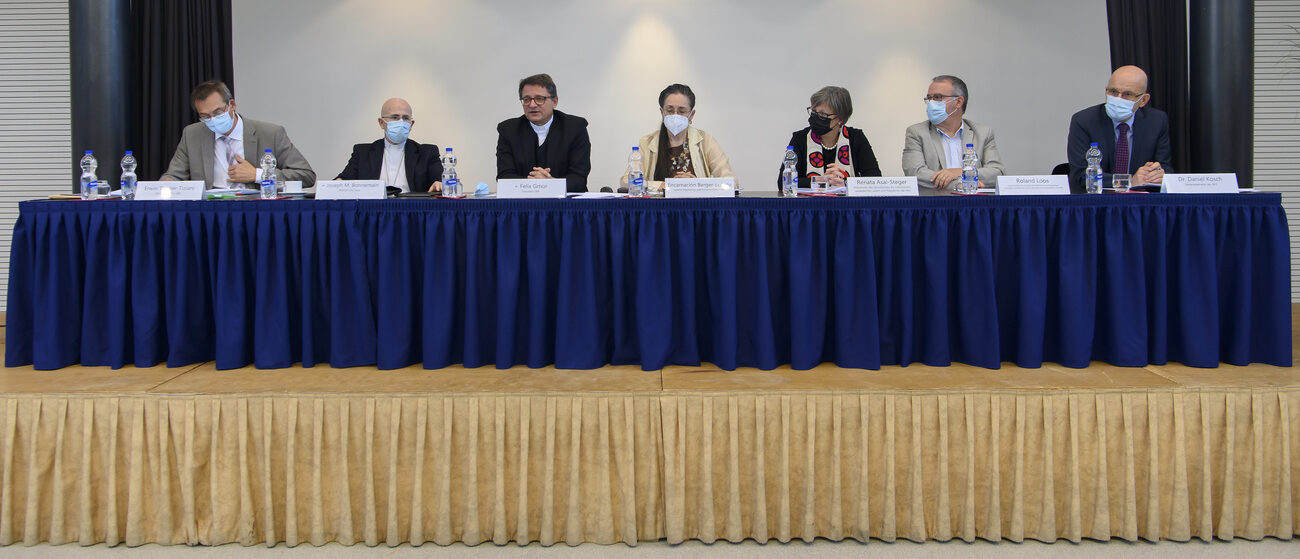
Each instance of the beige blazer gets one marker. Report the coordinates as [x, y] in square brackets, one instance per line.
[196, 151]
[923, 152]
[706, 156]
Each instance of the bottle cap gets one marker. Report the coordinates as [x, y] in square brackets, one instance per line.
[128, 152]
[448, 150]
[88, 152]
[1094, 144]
[634, 148]
[970, 145]
[789, 147]
[268, 151]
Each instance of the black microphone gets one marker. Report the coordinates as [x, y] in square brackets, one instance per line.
[605, 189]
[622, 190]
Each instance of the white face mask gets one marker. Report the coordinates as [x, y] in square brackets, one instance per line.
[676, 123]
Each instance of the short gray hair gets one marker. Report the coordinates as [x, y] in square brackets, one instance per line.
[958, 88]
[838, 99]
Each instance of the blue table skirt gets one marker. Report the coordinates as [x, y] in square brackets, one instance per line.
[1129, 280]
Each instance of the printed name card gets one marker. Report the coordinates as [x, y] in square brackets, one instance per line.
[719, 187]
[882, 186]
[1200, 183]
[1033, 185]
[531, 188]
[350, 190]
[169, 190]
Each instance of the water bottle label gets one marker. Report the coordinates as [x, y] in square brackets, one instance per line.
[268, 183]
[451, 182]
[638, 181]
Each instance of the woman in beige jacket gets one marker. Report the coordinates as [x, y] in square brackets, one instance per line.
[677, 149]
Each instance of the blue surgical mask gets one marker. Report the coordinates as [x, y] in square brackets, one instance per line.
[398, 131]
[937, 111]
[219, 124]
[1119, 108]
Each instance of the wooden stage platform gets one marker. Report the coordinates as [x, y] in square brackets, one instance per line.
[193, 455]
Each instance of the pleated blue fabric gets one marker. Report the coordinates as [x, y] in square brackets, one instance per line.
[1129, 280]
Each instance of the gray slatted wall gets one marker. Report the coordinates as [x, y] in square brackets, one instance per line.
[35, 111]
[1277, 113]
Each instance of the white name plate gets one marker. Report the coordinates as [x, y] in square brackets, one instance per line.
[882, 186]
[350, 190]
[169, 190]
[293, 187]
[1033, 184]
[531, 188]
[718, 187]
[1200, 183]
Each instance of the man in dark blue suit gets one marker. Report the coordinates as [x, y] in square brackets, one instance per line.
[1133, 138]
[396, 159]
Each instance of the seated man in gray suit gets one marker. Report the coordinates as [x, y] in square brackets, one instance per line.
[225, 150]
[932, 150]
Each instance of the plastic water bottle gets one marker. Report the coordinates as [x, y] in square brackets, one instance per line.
[970, 176]
[1092, 175]
[89, 186]
[270, 178]
[790, 173]
[451, 187]
[128, 176]
[635, 176]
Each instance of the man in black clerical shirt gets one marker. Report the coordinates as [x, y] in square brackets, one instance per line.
[544, 143]
[396, 159]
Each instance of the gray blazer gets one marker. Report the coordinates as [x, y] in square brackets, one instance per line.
[195, 153]
[923, 152]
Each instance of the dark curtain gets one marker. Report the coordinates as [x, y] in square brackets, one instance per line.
[179, 43]
[1152, 34]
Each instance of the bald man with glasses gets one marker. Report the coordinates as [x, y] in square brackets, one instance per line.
[1133, 138]
[395, 158]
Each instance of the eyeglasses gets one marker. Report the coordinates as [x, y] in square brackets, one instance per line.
[214, 114]
[676, 111]
[395, 118]
[539, 100]
[820, 114]
[1123, 94]
[938, 97]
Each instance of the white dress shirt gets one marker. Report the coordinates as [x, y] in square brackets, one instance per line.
[225, 154]
[542, 130]
[393, 171]
[952, 147]
[226, 150]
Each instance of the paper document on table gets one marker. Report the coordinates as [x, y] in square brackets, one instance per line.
[236, 191]
[598, 195]
[831, 190]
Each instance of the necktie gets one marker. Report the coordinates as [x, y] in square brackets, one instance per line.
[1121, 150]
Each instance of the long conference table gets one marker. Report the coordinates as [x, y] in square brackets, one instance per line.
[1129, 280]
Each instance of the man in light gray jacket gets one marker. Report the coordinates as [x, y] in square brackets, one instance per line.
[932, 150]
[225, 150]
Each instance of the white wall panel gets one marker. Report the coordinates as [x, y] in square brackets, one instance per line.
[323, 68]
